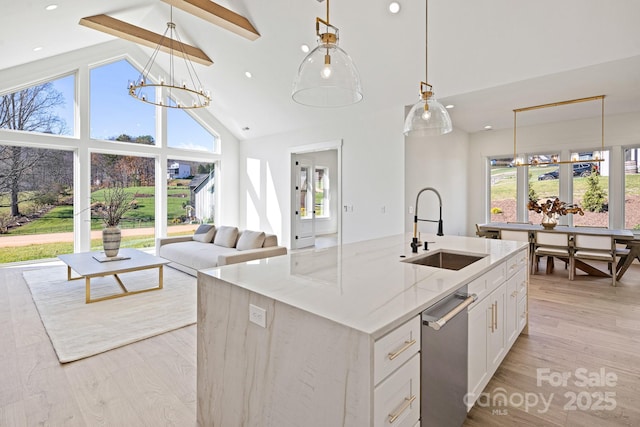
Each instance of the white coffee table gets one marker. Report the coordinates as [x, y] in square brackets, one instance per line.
[87, 266]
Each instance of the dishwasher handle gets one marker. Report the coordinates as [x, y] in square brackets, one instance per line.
[439, 323]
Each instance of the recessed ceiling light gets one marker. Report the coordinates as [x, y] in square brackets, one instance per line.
[51, 7]
[248, 74]
[450, 106]
[394, 7]
[304, 48]
[245, 128]
[488, 127]
[37, 49]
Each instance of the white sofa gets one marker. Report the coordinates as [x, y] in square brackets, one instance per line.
[212, 246]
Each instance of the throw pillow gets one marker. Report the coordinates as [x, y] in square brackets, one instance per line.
[226, 236]
[204, 233]
[250, 240]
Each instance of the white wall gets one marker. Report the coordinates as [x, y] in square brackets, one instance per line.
[372, 175]
[440, 162]
[579, 135]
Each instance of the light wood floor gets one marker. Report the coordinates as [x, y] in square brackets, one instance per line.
[581, 324]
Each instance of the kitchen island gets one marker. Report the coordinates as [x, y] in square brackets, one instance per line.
[330, 337]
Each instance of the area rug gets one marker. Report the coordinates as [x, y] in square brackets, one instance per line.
[78, 330]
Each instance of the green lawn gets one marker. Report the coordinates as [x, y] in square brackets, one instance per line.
[60, 218]
[52, 250]
[504, 183]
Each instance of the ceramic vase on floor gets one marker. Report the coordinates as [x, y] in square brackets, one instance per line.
[111, 237]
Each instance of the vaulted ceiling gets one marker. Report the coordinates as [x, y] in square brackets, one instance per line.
[485, 57]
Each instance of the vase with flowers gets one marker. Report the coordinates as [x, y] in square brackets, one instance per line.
[552, 209]
[117, 202]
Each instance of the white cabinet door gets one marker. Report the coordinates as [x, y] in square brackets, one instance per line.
[496, 342]
[516, 288]
[397, 398]
[511, 314]
[479, 328]
[522, 314]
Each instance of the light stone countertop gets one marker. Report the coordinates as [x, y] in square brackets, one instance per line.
[364, 285]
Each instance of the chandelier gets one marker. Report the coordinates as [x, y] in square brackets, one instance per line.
[427, 116]
[188, 93]
[597, 155]
[327, 76]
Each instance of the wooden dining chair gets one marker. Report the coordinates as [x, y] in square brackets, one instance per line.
[552, 244]
[489, 234]
[594, 248]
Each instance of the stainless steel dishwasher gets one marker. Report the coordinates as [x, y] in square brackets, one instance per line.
[444, 351]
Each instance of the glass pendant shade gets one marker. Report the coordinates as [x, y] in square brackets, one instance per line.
[327, 77]
[433, 121]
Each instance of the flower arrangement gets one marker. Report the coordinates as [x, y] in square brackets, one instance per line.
[554, 207]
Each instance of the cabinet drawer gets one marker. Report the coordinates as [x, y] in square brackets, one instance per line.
[516, 262]
[395, 348]
[485, 284]
[399, 396]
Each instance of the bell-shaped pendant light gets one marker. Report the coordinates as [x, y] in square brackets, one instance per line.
[327, 77]
[427, 117]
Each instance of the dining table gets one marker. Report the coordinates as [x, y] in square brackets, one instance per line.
[621, 236]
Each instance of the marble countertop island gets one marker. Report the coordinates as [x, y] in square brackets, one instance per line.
[364, 285]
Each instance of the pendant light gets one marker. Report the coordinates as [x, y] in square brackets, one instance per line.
[327, 76]
[427, 117]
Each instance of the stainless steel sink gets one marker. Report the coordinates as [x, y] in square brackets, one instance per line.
[445, 259]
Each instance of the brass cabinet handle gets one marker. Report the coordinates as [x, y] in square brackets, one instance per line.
[493, 316]
[514, 294]
[496, 316]
[407, 402]
[406, 345]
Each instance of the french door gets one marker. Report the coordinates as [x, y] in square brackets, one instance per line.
[305, 227]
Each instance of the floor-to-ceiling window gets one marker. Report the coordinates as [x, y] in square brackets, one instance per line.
[191, 197]
[36, 184]
[117, 139]
[136, 175]
[36, 203]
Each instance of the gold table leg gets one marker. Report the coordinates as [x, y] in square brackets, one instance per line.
[125, 291]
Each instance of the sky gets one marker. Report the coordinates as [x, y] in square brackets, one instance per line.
[114, 112]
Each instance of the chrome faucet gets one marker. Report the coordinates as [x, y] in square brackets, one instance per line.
[414, 241]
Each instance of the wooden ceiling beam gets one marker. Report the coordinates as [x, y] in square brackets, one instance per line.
[130, 32]
[218, 15]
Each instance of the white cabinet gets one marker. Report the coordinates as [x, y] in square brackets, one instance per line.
[397, 398]
[397, 376]
[496, 332]
[479, 319]
[394, 349]
[515, 301]
[495, 320]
